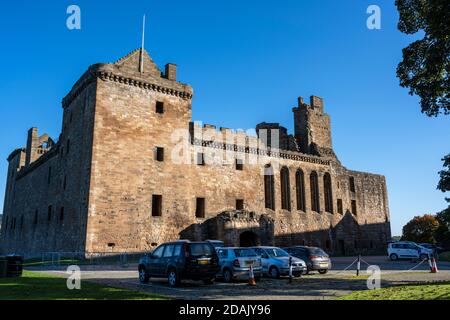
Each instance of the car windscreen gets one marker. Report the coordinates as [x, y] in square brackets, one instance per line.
[277, 252]
[201, 249]
[245, 253]
[317, 252]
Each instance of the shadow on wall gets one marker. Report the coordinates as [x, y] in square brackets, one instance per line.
[242, 228]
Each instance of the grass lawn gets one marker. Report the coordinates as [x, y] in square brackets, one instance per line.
[40, 286]
[429, 291]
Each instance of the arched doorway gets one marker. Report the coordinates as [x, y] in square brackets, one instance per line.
[248, 239]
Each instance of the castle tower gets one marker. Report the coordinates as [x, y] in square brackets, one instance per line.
[312, 128]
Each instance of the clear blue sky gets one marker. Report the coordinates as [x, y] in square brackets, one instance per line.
[247, 61]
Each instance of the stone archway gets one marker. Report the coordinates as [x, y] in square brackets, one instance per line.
[248, 239]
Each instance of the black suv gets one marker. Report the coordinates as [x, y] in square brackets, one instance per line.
[180, 260]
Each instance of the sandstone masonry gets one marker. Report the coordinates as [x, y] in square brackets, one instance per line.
[130, 170]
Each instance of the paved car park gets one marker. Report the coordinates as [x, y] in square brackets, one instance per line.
[314, 286]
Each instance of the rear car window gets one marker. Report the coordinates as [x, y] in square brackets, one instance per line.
[245, 253]
[223, 253]
[201, 249]
[169, 251]
[177, 250]
[317, 251]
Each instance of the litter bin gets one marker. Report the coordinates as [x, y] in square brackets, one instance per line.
[14, 266]
[3, 267]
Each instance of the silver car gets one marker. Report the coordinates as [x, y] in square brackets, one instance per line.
[275, 262]
[235, 263]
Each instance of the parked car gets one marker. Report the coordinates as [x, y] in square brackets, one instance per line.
[275, 262]
[315, 258]
[407, 250]
[180, 260]
[216, 243]
[235, 263]
[437, 250]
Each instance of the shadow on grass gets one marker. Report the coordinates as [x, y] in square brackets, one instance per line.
[36, 286]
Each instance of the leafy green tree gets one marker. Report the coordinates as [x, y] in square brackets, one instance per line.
[444, 182]
[426, 62]
[442, 234]
[421, 229]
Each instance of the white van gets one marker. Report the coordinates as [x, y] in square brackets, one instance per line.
[407, 250]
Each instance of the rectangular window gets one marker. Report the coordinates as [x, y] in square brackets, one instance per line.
[200, 208]
[49, 213]
[35, 217]
[354, 211]
[156, 205]
[159, 154]
[61, 214]
[239, 204]
[65, 183]
[200, 159]
[159, 107]
[352, 184]
[239, 164]
[340, 208]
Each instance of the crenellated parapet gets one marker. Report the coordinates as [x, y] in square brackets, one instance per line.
[239, 141]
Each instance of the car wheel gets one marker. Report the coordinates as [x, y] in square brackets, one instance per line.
[297, 274]
[423, 256]
[227, 276]
[143, 275]
[172, 278]
[208, 281]
[323, 271]
[393, 257]
[274, 273]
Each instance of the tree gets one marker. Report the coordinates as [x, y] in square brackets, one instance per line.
[442, 234]
[421, 229]
[444, 182]
[426, 63]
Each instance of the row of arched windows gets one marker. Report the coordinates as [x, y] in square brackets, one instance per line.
[269, 190]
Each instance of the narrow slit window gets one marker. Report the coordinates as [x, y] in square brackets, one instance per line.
[156, 205]
[200, 208]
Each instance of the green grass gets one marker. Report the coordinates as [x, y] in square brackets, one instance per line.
[40, 286]
[429, 291]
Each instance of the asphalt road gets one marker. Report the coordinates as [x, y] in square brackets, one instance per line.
[314, 286]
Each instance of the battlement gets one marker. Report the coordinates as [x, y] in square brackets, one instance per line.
[315, 103]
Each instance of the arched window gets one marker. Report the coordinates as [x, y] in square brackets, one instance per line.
[269, 187]
[328, 193]
[300, 186]
[314, 183]
[285, 189]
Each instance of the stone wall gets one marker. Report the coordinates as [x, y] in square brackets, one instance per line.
[105, 174]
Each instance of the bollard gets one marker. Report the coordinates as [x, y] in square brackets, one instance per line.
[358, 265]
[251, 276]
[430, 263]
[290, 269]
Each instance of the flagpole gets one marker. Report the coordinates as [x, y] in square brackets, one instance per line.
[141, 67]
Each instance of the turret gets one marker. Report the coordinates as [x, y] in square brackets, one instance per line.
[312, 128]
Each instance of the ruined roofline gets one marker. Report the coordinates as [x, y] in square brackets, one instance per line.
[121, 72]
[15, 152]
[38, 162]
[250, 143]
